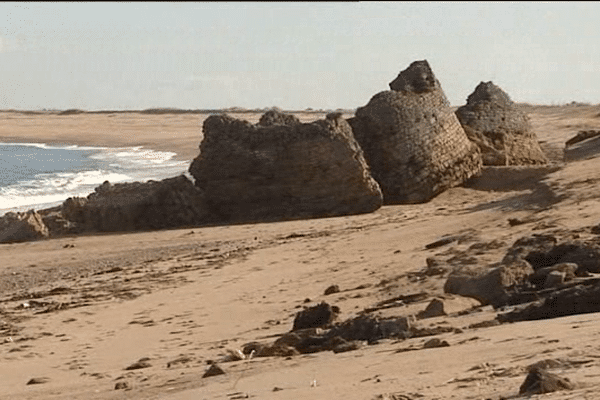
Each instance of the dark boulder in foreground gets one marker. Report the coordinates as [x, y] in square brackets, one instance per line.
[170, 203]
[500, 129]
[412, 140]
[282, 169]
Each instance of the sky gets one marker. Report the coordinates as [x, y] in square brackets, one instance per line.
[210, 55]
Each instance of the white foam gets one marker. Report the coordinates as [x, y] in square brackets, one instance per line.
[123, 164]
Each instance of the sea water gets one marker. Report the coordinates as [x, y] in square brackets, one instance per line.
[37, 176]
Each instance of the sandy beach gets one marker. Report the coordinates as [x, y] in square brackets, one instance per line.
[142, 315]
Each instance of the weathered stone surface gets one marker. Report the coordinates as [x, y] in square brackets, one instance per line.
[581, 299]
[322, 314]
[170, 203]
[539, 381]
[283, 171]
[500, 129]
[412, 140]
[491, 287]
[22, 227]
[448, 305]
[549, 276]
[543, 251]
[275, 117]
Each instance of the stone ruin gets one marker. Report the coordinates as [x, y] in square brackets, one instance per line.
[283, 169]
[412, 140]
[500, 129]
[170, 203]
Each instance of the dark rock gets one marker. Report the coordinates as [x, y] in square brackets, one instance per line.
[142, 363]
[255, 173]
[121, 385]
[331, 290]
[435, 342]
[581, 299]
[37, 381]
[546, 251]
[500, 129]
[22, 227]
[370, 328]
[170, 203]
[581, 136]
[491, 287]
[317, 316]
[213, 370]
[541, 278]
[539, 381]
[412, 140]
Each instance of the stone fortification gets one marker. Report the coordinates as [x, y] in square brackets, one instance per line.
[500, 129]
[412, 140]
[282, 169]
[170, 203]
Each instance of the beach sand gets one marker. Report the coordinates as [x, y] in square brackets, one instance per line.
[76, 312]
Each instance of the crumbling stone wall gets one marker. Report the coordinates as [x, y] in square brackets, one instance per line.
[500, 129]
[412, 140]
[283, 170]
[170, 203]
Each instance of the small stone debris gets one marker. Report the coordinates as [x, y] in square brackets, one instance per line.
[37, 381]
[141, 363]
[435, 342]
[213, 370]
[331, 290]
[540, 381]
[121, 385]
[441, 242]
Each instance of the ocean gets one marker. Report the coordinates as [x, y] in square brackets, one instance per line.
[38, 176]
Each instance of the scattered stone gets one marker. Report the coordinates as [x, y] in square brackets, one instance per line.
[286, 171]
[320, 315]
[580, 299]
[22, 227]
[371, 328]
[37, 381]
[123, 385]
[141, 363]
[213, 370]
[500, 129]
[412, 140]
[442, 242]
[331, 290]
[581, 136]
[435, 342]
[539, 381]
[493, 287]
[561, 273]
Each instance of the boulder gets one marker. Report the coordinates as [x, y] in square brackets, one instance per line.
[320, 315]
[22, 227]
[412, 140]
[170, 203]
[500, 129]
[493, 287]
[253, 173]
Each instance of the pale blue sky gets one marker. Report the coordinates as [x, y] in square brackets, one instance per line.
[292, 55]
